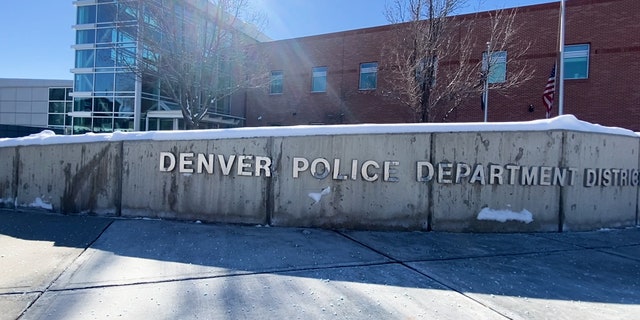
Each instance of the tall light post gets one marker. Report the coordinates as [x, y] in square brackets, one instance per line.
[485, 89]
[561, 62]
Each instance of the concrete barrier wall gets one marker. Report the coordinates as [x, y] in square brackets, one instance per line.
[343, 196]
[70, 178]
[533, 181]
[596, 202]
[208, 195]
[456, 206]
[8, 177]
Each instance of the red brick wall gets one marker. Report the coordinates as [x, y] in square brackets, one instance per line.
[610, 96]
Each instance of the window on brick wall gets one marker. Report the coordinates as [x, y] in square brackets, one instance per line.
[276, 82]
[368, 76]
[319, 79]
[576, 61]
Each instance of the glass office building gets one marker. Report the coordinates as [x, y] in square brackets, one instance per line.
[107, 95]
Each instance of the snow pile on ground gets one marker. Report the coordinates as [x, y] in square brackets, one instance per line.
[39, 203]
[505, 215]
[565, 122]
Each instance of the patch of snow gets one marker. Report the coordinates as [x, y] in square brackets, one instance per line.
[505, 215]
[39, 203]
[316, 196]
[5, 202]
[565, 122]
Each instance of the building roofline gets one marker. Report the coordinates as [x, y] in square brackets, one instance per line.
[479, 14]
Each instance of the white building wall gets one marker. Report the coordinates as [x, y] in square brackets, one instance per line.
[25, 102]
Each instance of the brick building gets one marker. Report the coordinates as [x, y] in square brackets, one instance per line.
[326, 79]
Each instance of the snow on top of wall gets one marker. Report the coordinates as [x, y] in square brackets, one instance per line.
[565, 122]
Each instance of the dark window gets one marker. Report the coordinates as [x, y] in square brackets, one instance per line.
[56, 120]
[56, 94]
[56, 107]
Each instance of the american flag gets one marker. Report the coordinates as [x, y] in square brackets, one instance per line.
[549, 90]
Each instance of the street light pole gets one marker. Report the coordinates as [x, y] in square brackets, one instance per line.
[485, 90]
[561, 63]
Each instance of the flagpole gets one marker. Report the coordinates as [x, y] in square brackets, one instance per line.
[561, 62]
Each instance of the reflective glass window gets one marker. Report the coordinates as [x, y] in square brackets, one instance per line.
[69, 107]
[83, 82]
[123, 124]
[86, 14]
[126, 34]
[148, 104]
[82, 104]
[124, 106]
[84, 58]
[106, 12]
[319, 79]
[102, 125]
[368, 76]
[81, 125]
[85, 36]
[150, 85]
[56, 120]
[276, 82]
[105, 58]
[127, 12]
[104, 82]
[165, 124]
[102, 105]
[56, 94]
[125, 81]
[576, 61]
[56, 107]
[126, 57]
[105, 35]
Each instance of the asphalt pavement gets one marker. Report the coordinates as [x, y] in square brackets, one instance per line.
[82, 267]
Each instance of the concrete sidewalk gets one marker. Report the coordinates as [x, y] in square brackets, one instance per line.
[71, 267]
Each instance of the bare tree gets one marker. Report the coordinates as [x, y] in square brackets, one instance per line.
[433, 63]
[197, 58]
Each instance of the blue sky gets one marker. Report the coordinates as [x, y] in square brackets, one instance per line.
[36, 35]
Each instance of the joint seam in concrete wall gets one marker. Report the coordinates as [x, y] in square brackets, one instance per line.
[638, 192]
[269, 197]
[119, 177]
[430, 202]
[561, 194]
[16, 177]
